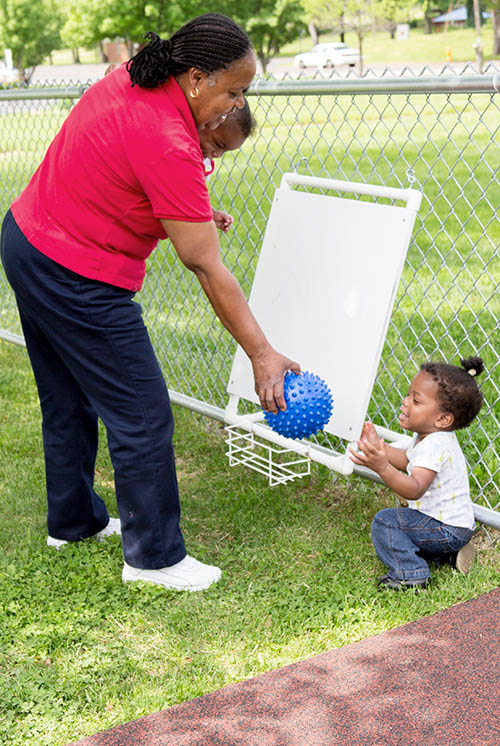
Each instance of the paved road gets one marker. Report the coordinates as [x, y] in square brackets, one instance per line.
[278, 67]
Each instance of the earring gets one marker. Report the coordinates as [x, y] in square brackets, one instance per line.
[196, 93]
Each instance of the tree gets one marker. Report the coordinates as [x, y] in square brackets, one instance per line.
[31, 30]
[277, 23]
[494, 7]
[88, 22]
[82, 21]
[429, 8]
[394, 11]
[362, 16]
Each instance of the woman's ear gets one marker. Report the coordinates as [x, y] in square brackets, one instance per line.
[445, 420]
[195, 76]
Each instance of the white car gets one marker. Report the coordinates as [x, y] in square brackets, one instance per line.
[328, 55]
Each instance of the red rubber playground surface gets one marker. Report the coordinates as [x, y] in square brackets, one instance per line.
[433, 682]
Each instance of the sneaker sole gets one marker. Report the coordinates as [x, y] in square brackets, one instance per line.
[465, 558]
[105, 533]
[126, 578]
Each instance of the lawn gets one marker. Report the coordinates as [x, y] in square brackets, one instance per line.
[81, 652]
[418, 49]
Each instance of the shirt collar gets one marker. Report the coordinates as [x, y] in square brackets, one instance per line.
[176, 95]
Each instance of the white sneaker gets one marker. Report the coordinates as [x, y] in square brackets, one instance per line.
[112, 528]
[465, 558]
[186, 575]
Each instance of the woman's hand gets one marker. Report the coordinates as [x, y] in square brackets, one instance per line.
[269, 368]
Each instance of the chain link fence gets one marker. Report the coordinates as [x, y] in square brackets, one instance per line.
[437, 133]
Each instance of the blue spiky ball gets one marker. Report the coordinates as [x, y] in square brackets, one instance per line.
[309, 405]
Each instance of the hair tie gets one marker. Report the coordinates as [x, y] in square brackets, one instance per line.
[472, 371]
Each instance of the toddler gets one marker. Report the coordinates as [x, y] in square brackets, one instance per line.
[436, 520]
[229, 135]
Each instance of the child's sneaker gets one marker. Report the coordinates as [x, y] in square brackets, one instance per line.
[464, 558]
[112, 528]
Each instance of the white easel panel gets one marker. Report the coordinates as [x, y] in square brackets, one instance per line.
[325, 285]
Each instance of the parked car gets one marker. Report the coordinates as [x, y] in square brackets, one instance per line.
[328, 55]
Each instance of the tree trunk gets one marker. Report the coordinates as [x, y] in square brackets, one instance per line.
[450, 6]
[477, 45]
[264, 60]
[495, 20]
[104, 57]
[313, 31]
[360, 45]
[76, 56]
[470, 14]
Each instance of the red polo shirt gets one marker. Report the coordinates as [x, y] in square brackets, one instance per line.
[124, 158]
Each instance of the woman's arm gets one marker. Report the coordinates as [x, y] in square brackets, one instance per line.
[410, 486]
[197, 246]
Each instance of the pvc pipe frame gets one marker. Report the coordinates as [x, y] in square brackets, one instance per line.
[317, 453]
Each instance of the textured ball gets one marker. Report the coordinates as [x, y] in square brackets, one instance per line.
[309, 406]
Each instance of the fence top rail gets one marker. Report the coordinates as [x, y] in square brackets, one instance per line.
[423, 84]
[271, 87]
[31, 93]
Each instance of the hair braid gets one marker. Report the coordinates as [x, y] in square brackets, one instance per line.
[209, 42]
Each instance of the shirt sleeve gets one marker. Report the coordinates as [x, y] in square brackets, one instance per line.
[177, 189]
[430, 454]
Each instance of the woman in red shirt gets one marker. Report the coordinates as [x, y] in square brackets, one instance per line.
[125, 170]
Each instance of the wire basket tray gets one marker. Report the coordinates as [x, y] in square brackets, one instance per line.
[278, 464]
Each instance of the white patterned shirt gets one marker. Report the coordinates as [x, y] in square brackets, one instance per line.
[448, 497]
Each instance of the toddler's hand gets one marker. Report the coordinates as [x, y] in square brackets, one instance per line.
[369, 433]
[222, 220]
[371, 455]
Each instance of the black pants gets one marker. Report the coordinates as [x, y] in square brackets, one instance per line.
[92, 357]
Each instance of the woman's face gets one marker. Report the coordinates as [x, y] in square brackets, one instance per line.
[219, 93]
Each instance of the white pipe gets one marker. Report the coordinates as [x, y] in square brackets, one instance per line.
[341, 463]
[412, 197]
[11, 337]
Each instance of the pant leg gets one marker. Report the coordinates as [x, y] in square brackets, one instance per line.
[98, 332]
[397, 534]
[405, 539]
[70, 439]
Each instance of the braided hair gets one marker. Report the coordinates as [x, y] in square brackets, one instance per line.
[209, 42]
[457, 390]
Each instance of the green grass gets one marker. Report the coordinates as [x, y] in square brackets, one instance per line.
[81, 652]
[419, 48]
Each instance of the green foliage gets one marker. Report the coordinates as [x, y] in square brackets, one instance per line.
[30, 29]
[276, 23]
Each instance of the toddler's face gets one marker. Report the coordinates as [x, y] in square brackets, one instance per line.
[420, 409]
[227, 136]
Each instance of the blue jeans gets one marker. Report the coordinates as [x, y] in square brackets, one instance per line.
[405, 539]
[92, 357]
